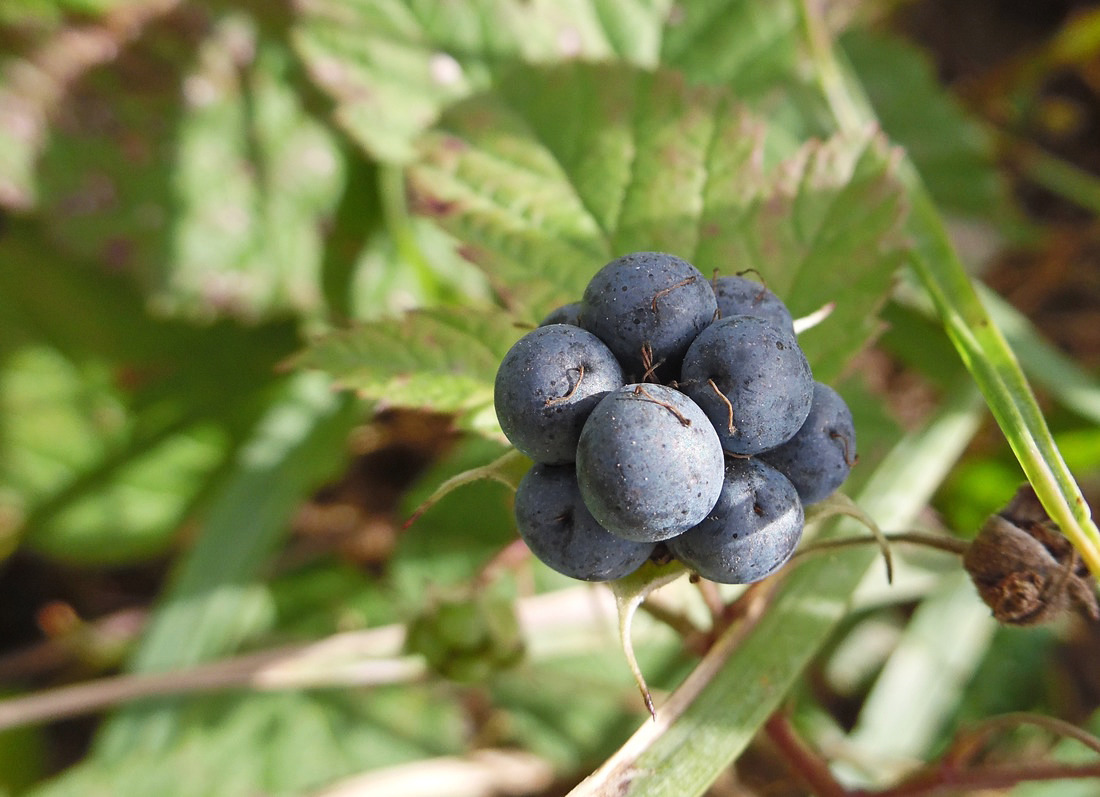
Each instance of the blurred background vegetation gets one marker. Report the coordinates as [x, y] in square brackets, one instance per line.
[192, 192]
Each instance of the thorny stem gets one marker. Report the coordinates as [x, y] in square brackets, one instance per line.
[677, 621]
[712, 599]
[967, 745]
[943, 781]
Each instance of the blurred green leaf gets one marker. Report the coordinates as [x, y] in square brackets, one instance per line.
[1066, 751]
[72, 428]
[393, 65]
[23, 758]
[750, 46]
[122, 417]
[574, 709]
[1013, 675]
[328, 596]
[40, 12]
[924, 678]
[452, 541]
[468, 637]
[216, 203]
[215, 602]
[951, 150]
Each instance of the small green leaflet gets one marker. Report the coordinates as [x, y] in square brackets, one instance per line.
[443, 359]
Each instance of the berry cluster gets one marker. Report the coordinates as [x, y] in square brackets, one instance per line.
[665, 409]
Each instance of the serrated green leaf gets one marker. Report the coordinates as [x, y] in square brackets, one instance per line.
[442, 359]
[393, 65]
[541, 199]
[253, 179]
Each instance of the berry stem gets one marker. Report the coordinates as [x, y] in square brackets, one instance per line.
[727, 402]
[670, 289]
[580, 376]
[683, 419]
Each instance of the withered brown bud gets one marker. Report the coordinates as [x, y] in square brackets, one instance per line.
[1025, 570]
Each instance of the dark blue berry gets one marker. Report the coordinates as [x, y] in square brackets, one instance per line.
[566, 314]
[649, 463]
[648, 307]
[741, 296]
[752, 380]
[819, 457]
[752, 530]
[558, 528]
[547, 384]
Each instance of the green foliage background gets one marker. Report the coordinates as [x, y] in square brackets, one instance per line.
[234, 232]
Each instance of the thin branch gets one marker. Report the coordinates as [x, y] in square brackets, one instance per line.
[676, 620]
[88, 641]
[939, 542]
[949, 775]
[712, 598]
[482, 773]
[359, 658]
[970, 741]
[298, 666]
[802, 758]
